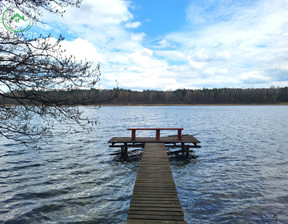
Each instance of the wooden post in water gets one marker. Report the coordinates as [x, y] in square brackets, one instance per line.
[124, 150]
[187, 151]
[183, 148]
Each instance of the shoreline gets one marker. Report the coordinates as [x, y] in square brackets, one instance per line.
[140, 105]
[158, 104]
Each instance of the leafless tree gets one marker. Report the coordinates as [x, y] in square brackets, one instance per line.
[31, 66]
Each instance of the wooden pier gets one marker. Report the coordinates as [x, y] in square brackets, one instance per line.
[155, 197]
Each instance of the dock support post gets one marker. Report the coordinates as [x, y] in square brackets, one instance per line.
[187, 151]
[124, 151]
[183, 148]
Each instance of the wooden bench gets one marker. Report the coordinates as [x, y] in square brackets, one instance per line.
[133, 133]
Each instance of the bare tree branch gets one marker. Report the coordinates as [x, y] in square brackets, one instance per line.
[31, 67]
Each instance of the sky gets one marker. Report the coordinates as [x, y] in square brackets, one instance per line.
[175, 44]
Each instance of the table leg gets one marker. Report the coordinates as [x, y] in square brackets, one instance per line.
[133, 134]
[157, 134]
[179, 134]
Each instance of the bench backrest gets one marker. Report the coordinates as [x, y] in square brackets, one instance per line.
[154, 129]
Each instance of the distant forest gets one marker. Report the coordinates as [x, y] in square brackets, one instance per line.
[149, 97]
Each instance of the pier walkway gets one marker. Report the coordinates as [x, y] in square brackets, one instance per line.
[155, 198]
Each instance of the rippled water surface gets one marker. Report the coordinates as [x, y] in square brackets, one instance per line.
[240, 176]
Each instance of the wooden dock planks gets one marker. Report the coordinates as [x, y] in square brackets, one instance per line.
[155, 198]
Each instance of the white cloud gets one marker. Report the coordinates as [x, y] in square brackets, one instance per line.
[194, 64]
[82, 49]
[254, 77]
[163, 44]
[137, 37]
[99, 13]
[172, 55]
[133, 25]
[99, 22]
[215, 71]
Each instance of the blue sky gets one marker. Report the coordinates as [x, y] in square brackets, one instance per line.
[171, 44]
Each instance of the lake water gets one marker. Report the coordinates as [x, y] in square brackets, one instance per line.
[240, 176]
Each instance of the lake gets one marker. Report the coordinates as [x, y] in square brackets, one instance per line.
[240, 175]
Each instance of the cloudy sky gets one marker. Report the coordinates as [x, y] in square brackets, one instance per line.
[171, 44]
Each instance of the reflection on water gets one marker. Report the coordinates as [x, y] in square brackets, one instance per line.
[240, 175]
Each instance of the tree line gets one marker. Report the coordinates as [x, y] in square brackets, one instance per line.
[149, 97]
